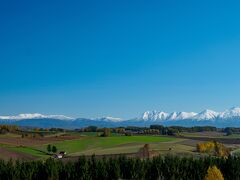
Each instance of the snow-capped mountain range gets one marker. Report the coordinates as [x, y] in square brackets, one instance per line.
[34, 116]
[202, 116]
[227, 118]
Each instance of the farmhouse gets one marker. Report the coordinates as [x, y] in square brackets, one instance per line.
[63, 153]
[60, 155]
[57, 156]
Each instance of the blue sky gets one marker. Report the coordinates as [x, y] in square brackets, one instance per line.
[118, 58]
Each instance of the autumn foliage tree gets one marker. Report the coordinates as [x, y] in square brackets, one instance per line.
[221, 150]
[205, 147]
[214, 148]
[214, 173]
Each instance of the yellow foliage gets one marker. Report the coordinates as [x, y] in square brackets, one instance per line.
[215, 148]
[205, 147]
[214, 173]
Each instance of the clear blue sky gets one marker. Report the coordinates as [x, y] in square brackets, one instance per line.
[119, 57]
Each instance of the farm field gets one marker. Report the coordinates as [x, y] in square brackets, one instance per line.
[106, 145]
[13, 146]
[75, 145]
[204, 134]
[87, 143]
[231, 141]
[232, 136]
[93, 134]
[211, 135]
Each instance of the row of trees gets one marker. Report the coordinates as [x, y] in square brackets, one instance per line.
[171, 168]
[213, 148]
[177, 129]
[231, 130]
[153, 129]
[51, 148]
[32, 135]
[8, 128]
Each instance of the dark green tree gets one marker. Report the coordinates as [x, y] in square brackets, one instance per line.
[49, 148]
[54, 149]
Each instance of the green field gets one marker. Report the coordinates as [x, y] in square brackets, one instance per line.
[101, 145]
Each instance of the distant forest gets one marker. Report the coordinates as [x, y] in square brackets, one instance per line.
[153, 129]
[162, 130]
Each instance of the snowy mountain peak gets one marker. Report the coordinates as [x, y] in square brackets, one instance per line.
[173, 116]
[235, 108]
[231, 113]
[108, 119]
[206, 115]
[161, 116]
[186, 115]
[35, 116]
[181, 115]
[154, 115]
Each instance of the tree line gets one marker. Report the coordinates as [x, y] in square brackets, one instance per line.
[160, 129]
[168, 167]
[152, 129]
[8, 128]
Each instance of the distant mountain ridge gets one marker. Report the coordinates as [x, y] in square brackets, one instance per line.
[204, 115]
[227, 118]
[35, 116]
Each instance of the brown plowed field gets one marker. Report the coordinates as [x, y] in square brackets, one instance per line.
[221, 140]
[18, 141]
[7, 154]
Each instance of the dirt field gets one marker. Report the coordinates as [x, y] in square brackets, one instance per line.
[221, 140]
[18, 141]
[7, 154]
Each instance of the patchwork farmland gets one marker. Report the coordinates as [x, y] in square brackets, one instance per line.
[75, 144]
